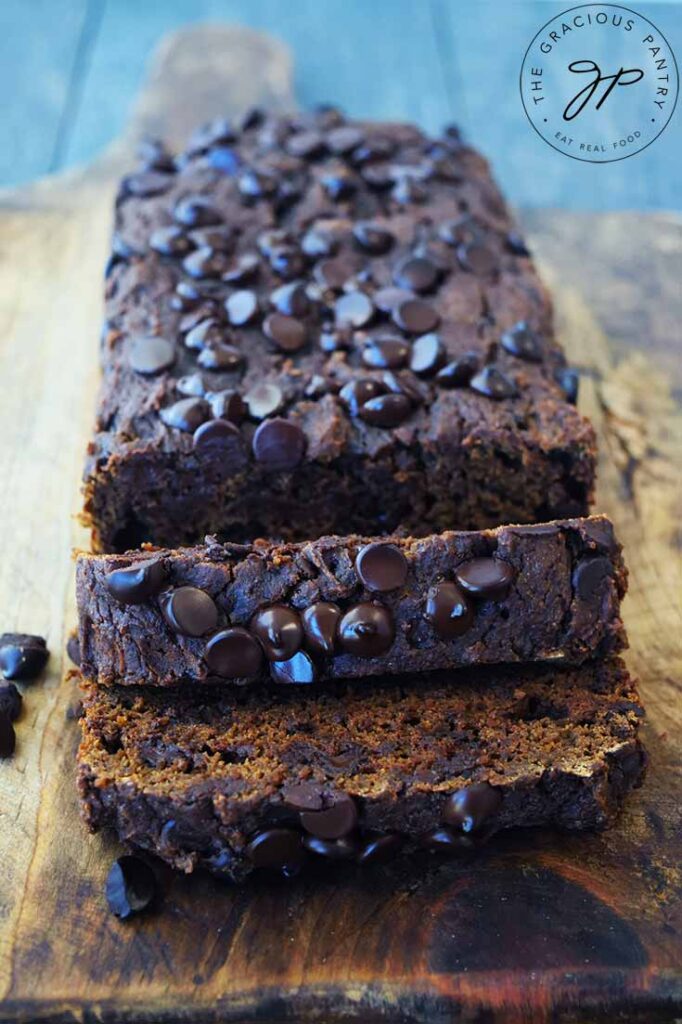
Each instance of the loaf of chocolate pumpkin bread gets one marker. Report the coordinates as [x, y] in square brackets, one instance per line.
[351, 607]
[233, 780]
[315, 326]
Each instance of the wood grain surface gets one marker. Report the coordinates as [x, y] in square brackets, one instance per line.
[540, 927]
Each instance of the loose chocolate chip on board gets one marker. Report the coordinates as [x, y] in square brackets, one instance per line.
[427, 355]
[416, 317]
[448, 610]
[333, 822]
[8, 739]
[381, 567]
[469, 808]
[241, 308]
[320, 622]
[215, 434]
[298, 670]
[521, 341]
[277, 848]
[279, 445]
[151, 355]
[367, 630]
[10, 701]
[379, 848]
[279, 630]
[492, 383]
[137, 582]
[130, 887]
[234, 654]
[288, 333]
[346, 848]
[187, 414]
[589, 575]
[264, 400]
[23, 656]
[485, 578]
[459, 372]
[386, 410]
[189, 611]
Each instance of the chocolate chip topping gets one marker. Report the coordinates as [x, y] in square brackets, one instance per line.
[344, 139]
[333, 822]
[417, 274]
[217, 356]
[427, 355]
[522, 342]
[469, 808]
[291, 299]
[23, 656]
[279, 630]
[477, 258]
[206, 263]
[137, 582]
[386, 353]
[416, 316]
[215, 434]
[320, 623]
[187, 414]
[445, 840]
[10, 701]
[373, 238]
[297, 670]
[459, 372]
[332, 849]
[589, 575]
[569, 382]
[170, 241]
[234, 654]
[227, 405]
[367, 630]
[492, 383]
[357, 392]
[448, 610]
[381, 567]
[130, 887]
[386, 410]
[241, 270]
[485, 578]
[354, 309]
[241, 308]
[379, 848]
[196, 212]
[277, 848]
[288, 333]
[189, 611]
[151, 355]
[279, 444]
[264, 400]
[387, 299]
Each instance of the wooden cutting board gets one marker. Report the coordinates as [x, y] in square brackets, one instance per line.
[540, 928]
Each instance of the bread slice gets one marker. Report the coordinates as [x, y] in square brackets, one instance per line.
[236, 779]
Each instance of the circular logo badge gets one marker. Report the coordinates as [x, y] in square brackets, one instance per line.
[599, 82]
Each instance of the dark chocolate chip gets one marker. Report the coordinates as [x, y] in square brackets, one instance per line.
[218, 238]
[386, 353]
[211, 133]
[469, 808]
[355, 393]
[339, 184]
[305, 144]
[287, 262]
[388, 299]
[379, 848]
[154, 156]
[279, 630]
[522, 342]
[416, 274]
[377, 148]
[297, 670]
[427, 355]
[516, 244]
[373, 237]
[381, 567]
[170, 241]
[147, 183]
[216, 356]
[332, 274]
[332, 849]
[130, 887]
[279, 444]
[589, 575]
[407, 190]
[320, 622]
[318, 243]
[150, 355]
[600, 532]
[333, 822]
[459, 372]
[302, 796]
[353, 308]
[234, 654]
[206, 263]
[336, 341]
[186, 296]
[367, 630]
[191, 386]
[288, 333]
[189, 611]
[445, 840]
[227, 405]
[253, 118]
[291, 299]
[459, 231]
[386, 410]
[404, 383]
[378, 176]
[448, 610]
[492, 383]
[10, 701]
[223, 159]
[196, 212]
[138, 581]
[342, 140]
[416, 317]
[241, 308]
[477, 258]
[187, 414]
[241, 270]
[254, 184]
[485, 578]
[8, 739]
[278, 848]
[216, 433]
[73, 649]
[264, 400]
[569, 381]
[208, 331]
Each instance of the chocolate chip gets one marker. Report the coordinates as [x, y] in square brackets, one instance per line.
[492, 383]
[416, 274]
[381, 567]
[305, 144]
[130, 887]
[218, 238]
[516, 244]
[333, 822]
[272, 239]
[600, 533]
[254, 184]
[407, 190]
[147, 183]
[150, 355]
[372, 237]
[469, 808]
[154, 156]
[170, 241]
[522, 342]
[279, 630]
[334, 273]
[336, 341]
[138, 581]
[241, 270]
[378, 176]
[386, 410]
[403, 384]
[416, 317]
[206, 332]
[320, 622]
[187, 414]
[212, 133]
[241, 308]
[288, 333]
[8, 739]
[196, 212]
[189, 611]
[485, 578]
[377, 148]
[339, 184]
[291, 299]
[367, 630]
[227, 405]
[297, 670]
[279, 444]
[427, 355]
[589, 575]
[477, 258]
[205, 263]
[216, 356]
[302, 796]
[186, 296]
[318, 243]
[459, 372]
[386, 353]
[332, 849]
[343, 140]
[569, 381]
[444, 840]
[216, 433]
[459, 230]
[353, 308]
[277, 848]
[388, 299]
[10, 701]
[287, 262]
[234, 654]
[355, 393]
[264, 400]
[379, 848]
[448, 610]
[191, 386]
[73, 649]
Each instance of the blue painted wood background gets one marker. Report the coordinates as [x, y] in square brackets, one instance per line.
[70, 69]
